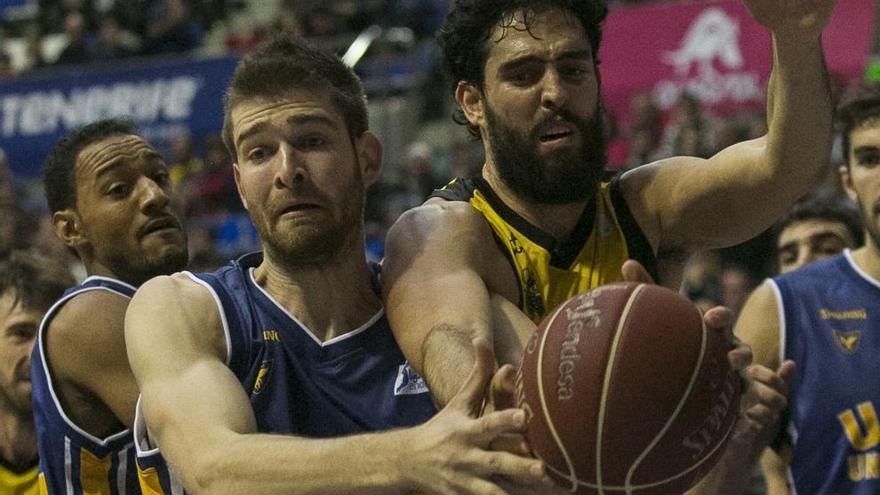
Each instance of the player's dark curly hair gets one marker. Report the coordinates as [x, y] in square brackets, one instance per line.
[36, 282]
[286, 63]
[829, 209]
[58, 172]
[467, 28]
[855, 109]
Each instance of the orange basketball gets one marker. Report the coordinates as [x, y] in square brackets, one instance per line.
[627, 392]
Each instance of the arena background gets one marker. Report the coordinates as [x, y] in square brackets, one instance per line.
[678, 77]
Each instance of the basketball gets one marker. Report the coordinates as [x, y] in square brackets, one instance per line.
[626, 391]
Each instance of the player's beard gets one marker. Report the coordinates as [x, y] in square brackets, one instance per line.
[319, 242]
[20, 402]
[566, 176]
[136, 270]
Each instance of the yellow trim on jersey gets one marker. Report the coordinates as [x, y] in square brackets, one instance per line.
[149, 481]
[544, 286]
[26, 483]
[94, 473]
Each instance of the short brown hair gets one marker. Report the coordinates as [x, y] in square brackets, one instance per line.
[36, 282]
[286, 63]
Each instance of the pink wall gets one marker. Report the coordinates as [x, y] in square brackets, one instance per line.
[714, 49]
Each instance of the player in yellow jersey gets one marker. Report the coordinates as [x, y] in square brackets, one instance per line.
[28, 286]
[541, 224]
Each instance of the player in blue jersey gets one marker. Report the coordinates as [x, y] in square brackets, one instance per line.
[825, 317]
[294, 340]
[112, 203]
[815, 229]
[28, 286]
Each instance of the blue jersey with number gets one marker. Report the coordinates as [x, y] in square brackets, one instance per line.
[297, 384]
[72, 461]
[830, 321]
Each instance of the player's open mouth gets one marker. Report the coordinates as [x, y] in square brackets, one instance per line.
[547, 138]
[556, 132]
[159, 225]
[299, 208]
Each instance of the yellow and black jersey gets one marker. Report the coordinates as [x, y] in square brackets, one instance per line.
[14, 482]
[551, 272]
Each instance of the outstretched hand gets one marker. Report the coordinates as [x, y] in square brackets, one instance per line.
[451, 454]
[805, 18]
[764, 399]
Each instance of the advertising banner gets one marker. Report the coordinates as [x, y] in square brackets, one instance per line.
[163, 98]
[714, 50]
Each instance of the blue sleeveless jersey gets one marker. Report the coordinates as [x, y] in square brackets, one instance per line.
[297, 384]
[830, 321]
[72, 461]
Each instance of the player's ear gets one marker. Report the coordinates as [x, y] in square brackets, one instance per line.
[470, 99]
[846, 180]
[369, 150]
[68, 228]
[237, 174]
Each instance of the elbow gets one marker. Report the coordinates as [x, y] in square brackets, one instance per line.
[208, 473]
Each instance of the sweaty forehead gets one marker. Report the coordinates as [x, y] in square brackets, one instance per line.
[122, 147]
[296, 107]
[549, 33]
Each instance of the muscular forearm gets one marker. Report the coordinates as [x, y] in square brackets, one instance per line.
[448, 356]
[268, 464]
[799, 111]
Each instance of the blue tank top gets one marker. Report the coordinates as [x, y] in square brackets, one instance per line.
[829, 319]
[72, 461]
[297, 384]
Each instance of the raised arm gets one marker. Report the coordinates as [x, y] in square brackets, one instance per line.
[687, 203]
[201, 419]
[441, 267]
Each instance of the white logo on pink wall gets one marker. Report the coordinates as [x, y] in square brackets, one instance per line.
[708, 64]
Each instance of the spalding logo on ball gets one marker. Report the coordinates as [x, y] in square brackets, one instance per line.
[627, 392]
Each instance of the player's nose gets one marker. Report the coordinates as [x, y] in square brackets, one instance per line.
[291, 169]
[553, 91]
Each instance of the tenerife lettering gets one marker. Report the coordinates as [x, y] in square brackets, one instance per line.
[50, 112]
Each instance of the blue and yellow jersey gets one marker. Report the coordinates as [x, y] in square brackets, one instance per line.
[830, 326]
[551, 272]
[73, 461]
[299, 385]
[154, 475]
[19, 482]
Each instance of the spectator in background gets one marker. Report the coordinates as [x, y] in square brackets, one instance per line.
[184, 162]
[737, 282]
[816, 229]
[211, 189]
[8, 212]
[34, 51]
[110, 44]
[642, 144]
[77, 50]
[6, 71]
[688, 117]
[417, 179]
[28, 287]
[171, 28]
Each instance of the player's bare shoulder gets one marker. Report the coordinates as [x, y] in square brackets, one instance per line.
[175, 308]
[454, 227]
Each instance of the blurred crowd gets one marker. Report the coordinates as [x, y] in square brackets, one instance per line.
[66, 32]
[84, 31]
